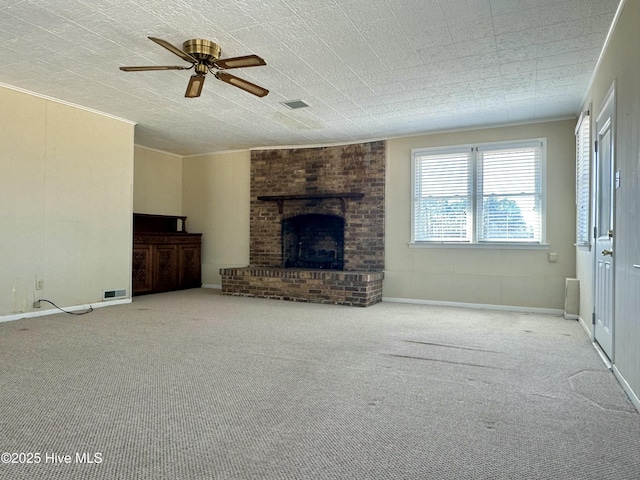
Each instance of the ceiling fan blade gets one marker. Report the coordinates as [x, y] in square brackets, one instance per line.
[175, 50]
[195, 86]
[240, 62]
[154, 67]
[243, 84]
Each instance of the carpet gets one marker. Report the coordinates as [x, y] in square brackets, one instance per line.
[197, 385]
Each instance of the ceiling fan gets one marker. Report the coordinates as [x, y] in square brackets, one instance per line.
[204, 55]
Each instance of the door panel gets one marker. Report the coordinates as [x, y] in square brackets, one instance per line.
[604, 228]
[604, 306]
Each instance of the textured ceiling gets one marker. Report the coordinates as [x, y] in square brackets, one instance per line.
[368, 68]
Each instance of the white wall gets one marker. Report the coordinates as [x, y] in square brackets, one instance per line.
[158, 182]
[620, 65]
[66, 183]
[216, 194]
[496, 276]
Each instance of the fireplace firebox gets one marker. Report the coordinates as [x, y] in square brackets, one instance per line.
[313, 241]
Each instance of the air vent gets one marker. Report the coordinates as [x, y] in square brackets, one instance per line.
[295, 104]
[111, 294]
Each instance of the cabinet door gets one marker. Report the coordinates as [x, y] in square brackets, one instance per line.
[190, 266]
[142, 269]
[166, 268]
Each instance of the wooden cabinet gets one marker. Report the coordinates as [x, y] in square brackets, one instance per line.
[164, 257]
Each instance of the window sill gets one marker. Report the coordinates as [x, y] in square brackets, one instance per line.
[492, 245]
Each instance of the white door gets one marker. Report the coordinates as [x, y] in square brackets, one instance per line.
[604, 227]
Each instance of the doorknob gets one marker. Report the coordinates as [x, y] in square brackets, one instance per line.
[607, 252]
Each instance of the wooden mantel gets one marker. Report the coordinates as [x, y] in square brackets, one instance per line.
[280, 199]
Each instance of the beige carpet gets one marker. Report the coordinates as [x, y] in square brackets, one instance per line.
[196, 385]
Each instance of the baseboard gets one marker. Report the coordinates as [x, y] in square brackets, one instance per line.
[603, 356]
[586, 328]
[570, 316]
[213, 286]
[54, 311]
[627, 388]
[480, 306]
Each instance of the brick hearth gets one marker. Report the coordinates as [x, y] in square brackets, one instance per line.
[360, 289]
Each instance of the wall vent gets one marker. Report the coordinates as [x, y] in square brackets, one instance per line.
[111, 294]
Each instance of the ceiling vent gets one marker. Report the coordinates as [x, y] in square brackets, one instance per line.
[295, 104]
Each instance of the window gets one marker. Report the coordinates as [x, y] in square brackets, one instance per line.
[583, 147]
[489, 193]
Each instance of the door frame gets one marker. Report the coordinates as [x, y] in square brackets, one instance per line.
[608, 102]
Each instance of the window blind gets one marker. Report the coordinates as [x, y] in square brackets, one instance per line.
[491, 192]
[509, 193]
[442, 196]
[583, 148]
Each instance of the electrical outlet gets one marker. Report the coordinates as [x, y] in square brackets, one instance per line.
[553, 257]
[39, 284]
[36, 304]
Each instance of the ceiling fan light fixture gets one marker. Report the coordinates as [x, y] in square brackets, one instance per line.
[203, 56]
[194, 89]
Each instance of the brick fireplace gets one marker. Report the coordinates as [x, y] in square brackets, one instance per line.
[316, 226]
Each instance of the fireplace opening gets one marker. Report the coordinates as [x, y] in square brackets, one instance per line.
[313, 241]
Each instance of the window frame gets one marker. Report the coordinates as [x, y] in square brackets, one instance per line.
[474, 242]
